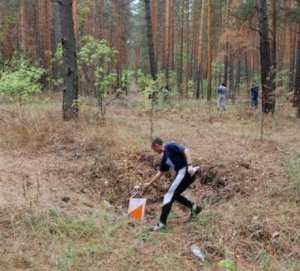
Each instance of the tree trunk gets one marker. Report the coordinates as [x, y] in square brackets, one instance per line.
[154, 17]
[70, 95]
[227, 46]
[167, 40]
[75, 20]
[55, 37]
[180, 64]
[196, 12]
[153, 64]
[188, 48]
[210, 48]
[297, 74]
[172, 35]
[28, 27]
[274, 44]
[292, 51]
[291, 48]
[247, 72]
[22, 29]
[231, 77]
[238, 76]
[226, 64]
[98, 18]
[200, 50]
[268, 95]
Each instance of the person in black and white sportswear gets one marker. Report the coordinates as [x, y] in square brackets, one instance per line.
[178, 158]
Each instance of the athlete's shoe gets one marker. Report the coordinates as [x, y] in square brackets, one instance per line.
[158, 227]
[195, 210]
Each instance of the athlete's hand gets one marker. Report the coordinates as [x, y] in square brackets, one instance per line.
[147, 184]
[191, 170]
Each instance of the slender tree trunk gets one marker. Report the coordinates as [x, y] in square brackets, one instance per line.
[154, 17]
[172, 36]
[200, 50]
[75, 20]
[55, 37]
[268, 95]
[161, 36]
[292, 51]
[227, 46]
[23, 27]
[291, 47]
[70, 95]
[210, 48]
[97, 20]
[282, 59]
[137, 58]
[274, 44]
[247, 72]
[238, 76]
[226, 64]
[231, 77]
[297, 74]
[196, 12]
[153, 64]
[28, 27]
[167, 39]
[188, 48]
[180, 64]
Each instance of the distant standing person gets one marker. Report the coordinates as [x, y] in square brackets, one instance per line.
[222, 91]
[254, 96]
[165, 91]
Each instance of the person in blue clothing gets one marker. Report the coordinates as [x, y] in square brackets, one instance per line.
[254, 96]
[178, 158]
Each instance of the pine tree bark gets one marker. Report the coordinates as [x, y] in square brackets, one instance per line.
[180, 63]
[70, 95]
[22, 29]
[267, 76]
[188, 74]
[196, 15]
[28, 25]
[167, 40]
[274, 43]
[200, 73]
[172, 39]
[231, 76]
[210, 48]
[226, 64]
[154, 17]
[75, 20]
[227, 46]
[291, 50]
[238, 75]
[153, 64]
[297, 74]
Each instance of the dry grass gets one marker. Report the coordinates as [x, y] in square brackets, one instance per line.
[254, 221]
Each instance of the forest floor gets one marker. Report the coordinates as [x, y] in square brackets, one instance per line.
[64, 188]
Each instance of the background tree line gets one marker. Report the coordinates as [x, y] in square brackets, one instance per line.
[194, 44]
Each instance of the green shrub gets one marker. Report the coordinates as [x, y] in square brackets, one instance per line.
[95, 61]
[21, 80]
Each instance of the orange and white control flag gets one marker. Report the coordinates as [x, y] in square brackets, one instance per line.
[137, 208]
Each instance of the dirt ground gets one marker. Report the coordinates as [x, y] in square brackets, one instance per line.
[75, 167]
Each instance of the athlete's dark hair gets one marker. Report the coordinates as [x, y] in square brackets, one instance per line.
[157, 141]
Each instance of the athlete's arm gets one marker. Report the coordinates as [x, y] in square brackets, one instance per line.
[188, 156]
[155, 178]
